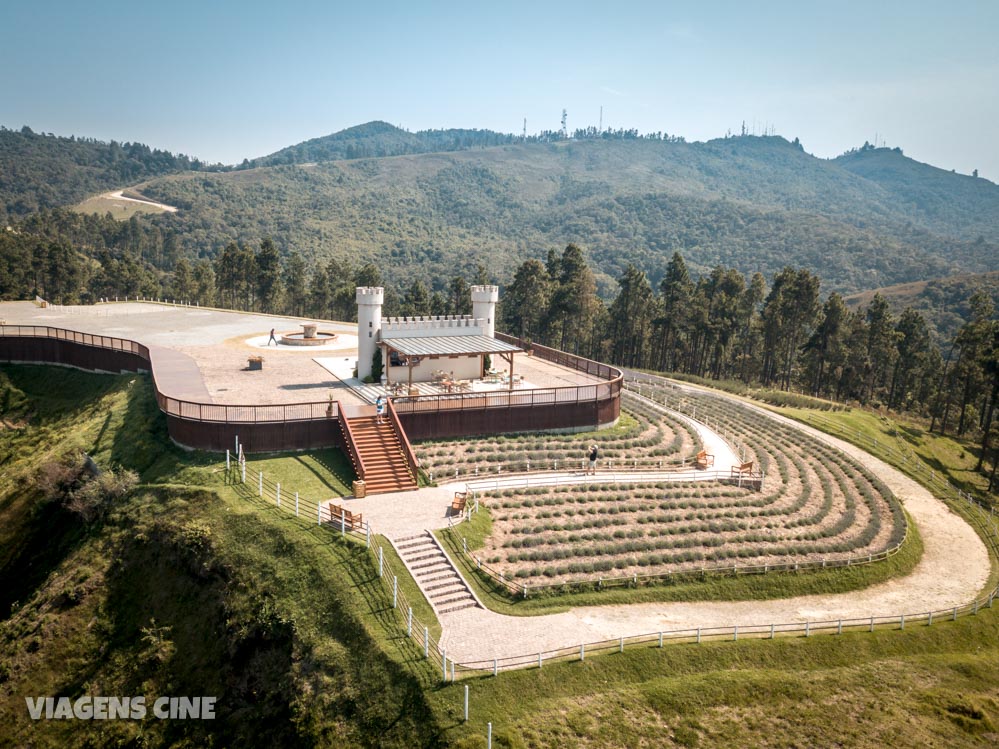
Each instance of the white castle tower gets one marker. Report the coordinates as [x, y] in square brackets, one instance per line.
[484, 300]
[369, 326]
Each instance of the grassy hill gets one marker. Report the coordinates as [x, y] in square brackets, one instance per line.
[942, 201]
[942, 301]
[754, 203]
[375, 139]
[39, 170]
[178, 588]
[184, 588]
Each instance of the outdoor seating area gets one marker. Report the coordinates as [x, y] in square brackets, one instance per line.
[704, 460]
[446, 382]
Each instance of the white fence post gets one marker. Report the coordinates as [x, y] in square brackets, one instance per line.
[296, 504]
[279, 495]
[426, 642]
[260, 483]
[381, 562]
[395, 592]
[409, 623]
[466, 703]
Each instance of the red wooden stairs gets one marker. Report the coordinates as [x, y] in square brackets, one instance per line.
[381, 453]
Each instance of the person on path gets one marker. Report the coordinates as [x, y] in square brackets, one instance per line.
[380, 409]
[593, 460]
[272, 338]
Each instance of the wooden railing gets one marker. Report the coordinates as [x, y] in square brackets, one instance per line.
[197, 412]
[407, 448]
[348, 440]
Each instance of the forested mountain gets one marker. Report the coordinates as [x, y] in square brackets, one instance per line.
[756, 203]
[944, 202]
[376, 139]
[944, 302]
[46, 171]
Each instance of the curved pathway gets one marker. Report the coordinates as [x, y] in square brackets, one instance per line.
[953, 569]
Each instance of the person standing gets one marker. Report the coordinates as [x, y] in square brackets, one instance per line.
[272, 338]
[380, 409]
[593, 460]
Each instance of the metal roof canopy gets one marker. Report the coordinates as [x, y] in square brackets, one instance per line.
[449, 345]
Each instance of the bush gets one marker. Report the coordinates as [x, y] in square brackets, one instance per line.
[94, 498]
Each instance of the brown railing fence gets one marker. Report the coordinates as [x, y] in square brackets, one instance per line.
[303, 426]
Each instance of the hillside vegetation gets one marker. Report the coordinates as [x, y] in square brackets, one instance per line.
[177, 587]
[755, 203]
[943, 302]
[39, 170]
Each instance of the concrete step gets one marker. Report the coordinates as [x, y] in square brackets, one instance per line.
[447, 585]
[422, 555]
[433, 570]
[469, 605]
[447, 601]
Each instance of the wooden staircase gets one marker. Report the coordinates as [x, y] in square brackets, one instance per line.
[381, 451]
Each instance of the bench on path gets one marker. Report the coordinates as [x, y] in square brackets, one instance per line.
[703, 459]
[459, 502]
[742, 469]
[351, 520]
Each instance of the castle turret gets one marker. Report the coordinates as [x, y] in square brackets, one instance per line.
[484, 300]
[369, 326]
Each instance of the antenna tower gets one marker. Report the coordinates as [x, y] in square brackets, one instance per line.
[600, 127]
[525, 129]
[565, 132]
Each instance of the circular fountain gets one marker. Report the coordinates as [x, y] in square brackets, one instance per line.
[310, 336]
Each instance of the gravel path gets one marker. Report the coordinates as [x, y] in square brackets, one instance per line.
[953, 569]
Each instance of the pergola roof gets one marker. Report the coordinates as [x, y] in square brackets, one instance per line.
[447, 345]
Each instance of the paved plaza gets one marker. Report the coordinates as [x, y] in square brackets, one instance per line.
[220, 344]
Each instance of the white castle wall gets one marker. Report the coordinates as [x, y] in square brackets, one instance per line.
[484, 300]
[421, 327]
[369, 325]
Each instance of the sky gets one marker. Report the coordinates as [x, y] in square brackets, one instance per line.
[224, 80]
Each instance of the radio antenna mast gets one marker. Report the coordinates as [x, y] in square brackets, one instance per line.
[600, 127]
[565, 132]
[525, 129]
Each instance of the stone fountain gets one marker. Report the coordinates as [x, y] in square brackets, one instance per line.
[310, 336]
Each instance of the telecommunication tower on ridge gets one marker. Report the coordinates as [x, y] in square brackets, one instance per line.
[600, 127]
[565, 132]
[525, 129]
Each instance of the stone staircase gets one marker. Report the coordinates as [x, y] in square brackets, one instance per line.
[434, 573]
[380, 447]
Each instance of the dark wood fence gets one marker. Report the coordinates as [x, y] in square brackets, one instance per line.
[304, 426]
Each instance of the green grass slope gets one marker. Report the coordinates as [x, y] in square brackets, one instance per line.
[182, 588]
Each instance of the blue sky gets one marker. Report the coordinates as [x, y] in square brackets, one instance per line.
[228, 80]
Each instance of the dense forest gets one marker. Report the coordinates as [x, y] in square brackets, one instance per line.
[778, 333]
[945, 303]
[39, 170]
[755, 203]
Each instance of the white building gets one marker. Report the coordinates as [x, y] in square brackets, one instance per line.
[416, 347]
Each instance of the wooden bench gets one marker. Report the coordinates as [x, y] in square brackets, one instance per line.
[350, 520]
[742, 469]
[460, 500]
[703, 460]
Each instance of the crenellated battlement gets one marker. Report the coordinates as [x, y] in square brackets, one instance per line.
[370, 295]
[436, 325]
